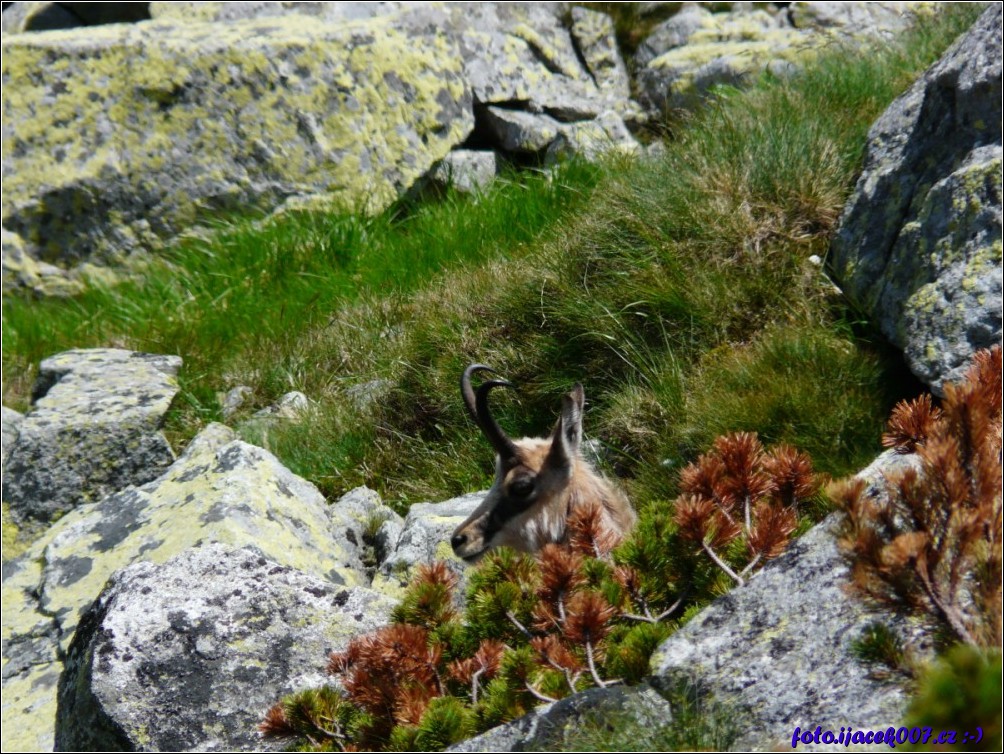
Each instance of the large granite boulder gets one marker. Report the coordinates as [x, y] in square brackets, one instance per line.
[94, 428]
[919, 243]
[779, 650]
[220, 490]
[190, 654]
[116, 137]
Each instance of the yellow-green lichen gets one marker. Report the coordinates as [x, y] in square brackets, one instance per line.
[29, 709]
[346, 110]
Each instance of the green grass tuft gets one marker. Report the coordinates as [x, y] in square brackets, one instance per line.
[678, 290]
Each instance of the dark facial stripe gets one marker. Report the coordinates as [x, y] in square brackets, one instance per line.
[506, 510]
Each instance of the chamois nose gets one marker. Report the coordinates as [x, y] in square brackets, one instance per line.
[458, 541]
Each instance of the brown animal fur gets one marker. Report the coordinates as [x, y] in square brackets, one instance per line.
[539, 483]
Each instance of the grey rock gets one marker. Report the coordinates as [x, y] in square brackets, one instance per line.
[519, 131]
[239, 11]
[22, 271]
[702, 49]
[190, 654]
[358, 521]
[592, 139]
[697, 49]
[882, 19]
[219, 490]
[290, 407]
[233, 399]
[424, 538]
[94, 428]
[468, 171]
[919, 242]
[552, 726]
[11, 421]
[289, 110]
[521, 52]
[511, 51]
[672, 33]
[778, 649]
[596, 41]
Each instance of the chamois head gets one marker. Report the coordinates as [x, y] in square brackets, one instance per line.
[539, 482]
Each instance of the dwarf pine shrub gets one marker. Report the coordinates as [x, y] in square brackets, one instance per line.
[932, 543]
[538, 628]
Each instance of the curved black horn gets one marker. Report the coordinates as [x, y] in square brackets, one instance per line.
[467, 392]
[477, 404]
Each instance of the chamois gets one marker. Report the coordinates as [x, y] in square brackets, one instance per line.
[539, 482]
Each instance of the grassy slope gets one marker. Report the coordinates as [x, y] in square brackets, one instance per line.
[677, 290]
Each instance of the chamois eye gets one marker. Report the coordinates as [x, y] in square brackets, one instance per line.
[521, 488]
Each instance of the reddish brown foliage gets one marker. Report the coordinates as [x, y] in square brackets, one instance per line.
[911, 424]
[932, 541]
[739, 490]
[588, 534]
[392, 672]
[275, 723]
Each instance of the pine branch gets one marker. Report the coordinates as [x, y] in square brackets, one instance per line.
[722, 564]
[539, 695]
[592, 668]
[474, 685]
[751, 565]
[519, 626]
[649, 618]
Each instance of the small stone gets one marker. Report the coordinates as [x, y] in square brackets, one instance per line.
[466, 170]
[234, 398]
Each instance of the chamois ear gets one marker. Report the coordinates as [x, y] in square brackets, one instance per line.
[567, 435]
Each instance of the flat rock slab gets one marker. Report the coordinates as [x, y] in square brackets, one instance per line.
[94, 428]
[190, 654]
[219, 490]
[778, 649]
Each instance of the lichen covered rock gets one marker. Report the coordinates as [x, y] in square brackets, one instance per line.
[697, 49]
[219, 490]
[190, 654]
[778, 650]
[468, 171]
[94, 428]
[116, 137]
[596, 40]
[425, 537]
[362, 524]
[919, 243]
[552, 726]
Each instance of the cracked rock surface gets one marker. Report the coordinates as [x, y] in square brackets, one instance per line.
[94, 428]
[220, 490]
[190, 654]
[919, 243]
